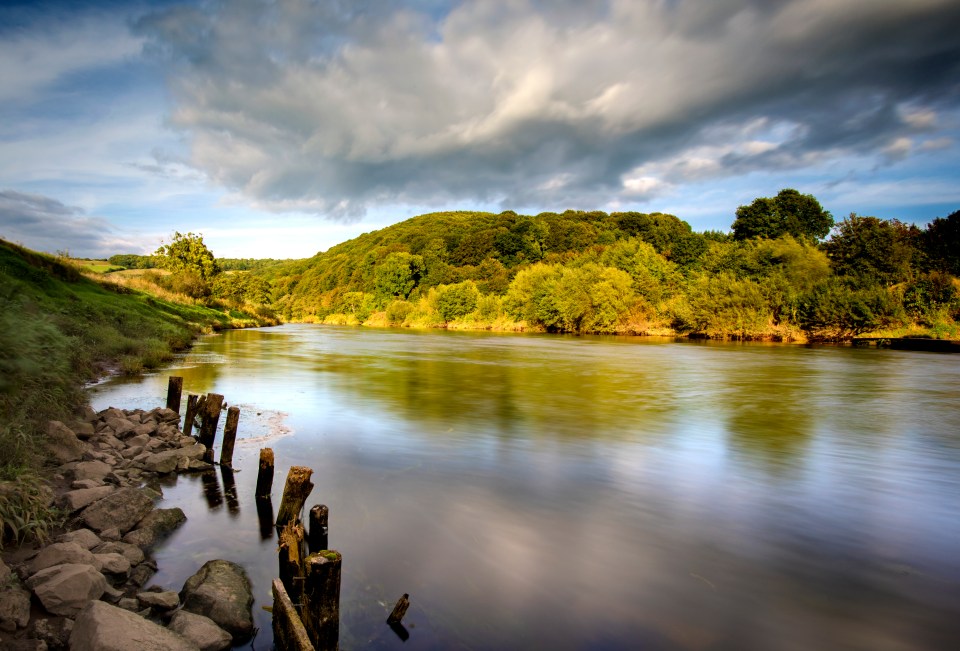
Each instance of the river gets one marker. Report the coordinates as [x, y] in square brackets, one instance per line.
[561, 492]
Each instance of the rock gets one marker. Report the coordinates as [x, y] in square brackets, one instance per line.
[14, 609]
[221, 591]
[95, 470]
[168, 415]
[77, 499]
[6, 575]
[139, 440]
[167, 600]
[87, 413]
[121, 426]
[111, 535]
[122, 509]
[83, 537]
[62, 444]
[55, 633]
[168, 460]
[111, 595]
[66, 589]
[146, 429]
[200, 630]
[115, 564]
[83, 430]
[157, 524]
[111, 412]
[142, 573]
[26, 645]
[109, 442]
[62, 553]
[85, 483]
[132, 553]
[102, 627]
[129, 604]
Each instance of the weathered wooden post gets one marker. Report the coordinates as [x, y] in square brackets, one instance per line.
[292, 553]
[174, 390]
[265, 517]
[295, 493]
[399, 610]
[288, 631]
[193, 408]
[209, 418]
[318, 531]
[265, 473]
[321, 599]
[229, 437]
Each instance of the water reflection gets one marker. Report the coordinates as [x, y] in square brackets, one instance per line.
[568, 493]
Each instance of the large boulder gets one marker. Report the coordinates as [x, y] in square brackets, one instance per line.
[83, 537]
[120, 510]
[157, 525]
[62, 444]
[77, 499]
[169, 460]
[221, 591]
[66, 589]
[61, 553]
[201, 630]
[14, 609]
[131, 552]
[95, 470]
[102, 627]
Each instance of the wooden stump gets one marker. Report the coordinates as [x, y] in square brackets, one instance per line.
[321, 599]
[209, 418]
[193, 408]
[174, 390]
[229, 437]
[291, 556]
[399, 610]
[288, 630]
[265, 473]
[295, 493]
[318, 531]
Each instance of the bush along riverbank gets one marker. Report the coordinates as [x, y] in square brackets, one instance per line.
[89, 582]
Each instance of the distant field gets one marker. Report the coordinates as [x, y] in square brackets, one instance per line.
[95, 266]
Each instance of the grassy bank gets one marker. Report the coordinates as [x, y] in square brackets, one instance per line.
[58, 330]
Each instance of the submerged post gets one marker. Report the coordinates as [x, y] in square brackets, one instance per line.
[209, 418]
[321, 599]
[399, 610]
[295, 493]
[229, 437]
[291, 559]
[265, 473]
[174, 390]
[318, 532]
[193, 408]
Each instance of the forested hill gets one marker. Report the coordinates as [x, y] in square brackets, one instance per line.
[775, 276]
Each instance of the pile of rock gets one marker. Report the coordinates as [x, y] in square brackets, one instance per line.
[88, 584]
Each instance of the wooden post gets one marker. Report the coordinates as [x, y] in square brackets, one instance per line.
[295, 493]
[211, 490]
[399, 610]
[174, 389]
[265, 473]
[321, 599]
[288, 630]
[265, 517]
[230, 490]
[193, 408]
[229, 437]
[319, 516]
[209, 418]
[292, 553]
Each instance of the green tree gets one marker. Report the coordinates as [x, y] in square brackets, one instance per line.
[456, 301]
[872, 249]
[941, 241]
[789, 213]
[188, 253]
[397, 274]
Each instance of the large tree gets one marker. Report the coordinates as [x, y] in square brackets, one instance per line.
[188, 254]
[789, 213]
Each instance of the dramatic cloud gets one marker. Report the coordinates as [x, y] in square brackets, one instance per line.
[45, 224]
[333, 108]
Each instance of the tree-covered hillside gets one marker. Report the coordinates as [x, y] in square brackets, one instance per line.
[638, 273]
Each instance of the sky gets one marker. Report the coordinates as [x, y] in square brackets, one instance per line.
[278, 128]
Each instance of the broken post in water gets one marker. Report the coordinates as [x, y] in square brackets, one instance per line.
[265, 473]
[229, 437]
[174, 390]
[295, 493]
[193, 407]
[321, 599]
[399, 610]
[288, 631]
[292, 553]
[209, 418]
[319, 528]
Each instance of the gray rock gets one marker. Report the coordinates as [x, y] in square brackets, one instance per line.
[139, 440]
[83, 537]
[167, 600]
[95, 470]
[157, 525]
[142, 573]
[169, 460]
[128, 603]
[26, 645]
[168, 415]
[145, 429]
[121, 426]
[221, 591]
[114, 564]
[62, 444]
[200, 630]
[55, 633]
[111, 412]
[77, 499]
[62, 553]
[14, 609]
[122, 509]
[110, 535]
[83, 430]
[85, 483]
[109, 442]
[102, 627]
[66, 589]
[132, 553]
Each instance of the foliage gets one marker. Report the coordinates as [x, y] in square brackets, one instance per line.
[397, 274]
[942, 243]
[789, 213]
[133, 261]
[188, 254]
[872, 249]
[456, 301]
[26, 511]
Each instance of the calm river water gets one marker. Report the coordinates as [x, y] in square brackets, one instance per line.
[551, 492]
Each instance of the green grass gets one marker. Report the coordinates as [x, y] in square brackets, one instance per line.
[58, 330]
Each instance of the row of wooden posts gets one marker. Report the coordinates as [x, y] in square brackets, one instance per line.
[306, 610]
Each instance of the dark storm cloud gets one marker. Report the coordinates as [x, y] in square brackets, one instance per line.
[45, 224]
[331, 107]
